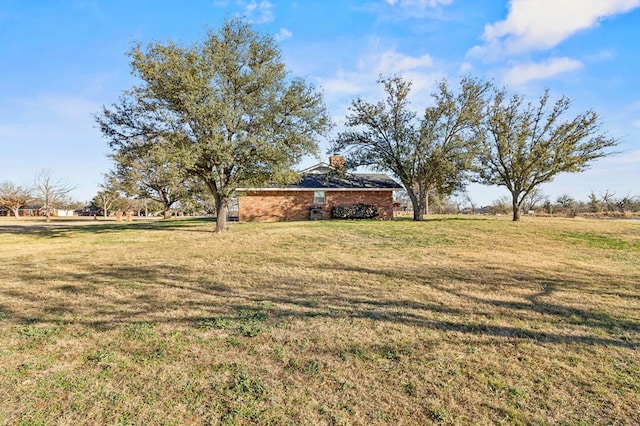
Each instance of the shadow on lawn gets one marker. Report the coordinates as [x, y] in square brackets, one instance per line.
[109, 298]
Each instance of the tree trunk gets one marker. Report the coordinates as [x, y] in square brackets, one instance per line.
[222, 204]
[16, 212]
[417, 206]
[516, 208]
[166, 206]
[221, 216]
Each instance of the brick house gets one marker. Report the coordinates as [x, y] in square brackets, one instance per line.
[320, 189]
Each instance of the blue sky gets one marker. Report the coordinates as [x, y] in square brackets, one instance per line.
[61, 60]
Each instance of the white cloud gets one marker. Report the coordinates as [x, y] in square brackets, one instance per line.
[466, 68]
[421, 4]
[523, 73]
[361, 81]
[391, 62]
[283, 34]
[259, 12]
[543, 24]
[636, 123]
[343, 83]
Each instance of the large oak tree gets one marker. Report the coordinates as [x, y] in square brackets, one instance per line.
[227, 104]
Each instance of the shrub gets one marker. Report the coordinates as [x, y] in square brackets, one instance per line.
[356, 211]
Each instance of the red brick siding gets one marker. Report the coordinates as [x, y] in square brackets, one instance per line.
[272, 206]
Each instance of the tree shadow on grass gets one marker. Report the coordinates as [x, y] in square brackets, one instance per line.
[108, 298]
[62, 229]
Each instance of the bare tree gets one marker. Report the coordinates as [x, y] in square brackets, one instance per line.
[500, 206]
[14, 196]
[608, 202]
[469, 201]
[52, 193]
[624, 204]
[532, 199]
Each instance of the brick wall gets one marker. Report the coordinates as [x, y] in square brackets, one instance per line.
[273, 206]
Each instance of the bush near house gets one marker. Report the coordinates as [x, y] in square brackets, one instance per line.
[356, 211]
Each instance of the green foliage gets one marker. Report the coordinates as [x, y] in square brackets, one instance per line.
[109, 197]
[439, 415]
[429, 155]
[249, 322]
[227, 106]
[139, 330]
[35, 332]
[528, 144]
[150, 171]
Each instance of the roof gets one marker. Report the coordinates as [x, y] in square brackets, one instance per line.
[322, 177]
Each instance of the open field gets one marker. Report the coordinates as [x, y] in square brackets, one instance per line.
[455, 320]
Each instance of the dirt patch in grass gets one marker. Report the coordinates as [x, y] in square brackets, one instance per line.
[449, 321]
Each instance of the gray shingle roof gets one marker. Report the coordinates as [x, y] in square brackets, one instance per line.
[323, 176]
[345, 181]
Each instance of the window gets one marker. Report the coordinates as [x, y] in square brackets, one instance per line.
[318, 197]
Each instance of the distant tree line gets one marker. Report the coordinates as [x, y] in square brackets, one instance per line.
[118, 195]
[45, 193]
[605, 204]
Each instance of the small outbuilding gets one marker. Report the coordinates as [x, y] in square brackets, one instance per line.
[320, 190]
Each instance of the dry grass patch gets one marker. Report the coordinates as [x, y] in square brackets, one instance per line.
[451, 321]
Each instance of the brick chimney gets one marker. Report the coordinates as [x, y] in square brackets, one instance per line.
[337, 162]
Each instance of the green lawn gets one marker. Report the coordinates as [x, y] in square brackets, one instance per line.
[455, 320]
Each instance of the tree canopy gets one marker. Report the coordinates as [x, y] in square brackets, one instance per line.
[152, 172]
[228, 106]
[427, 155]
[528, 144]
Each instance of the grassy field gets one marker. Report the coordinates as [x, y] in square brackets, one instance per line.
[455, 320]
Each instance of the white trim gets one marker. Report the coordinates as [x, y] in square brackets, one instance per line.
[321, 165]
